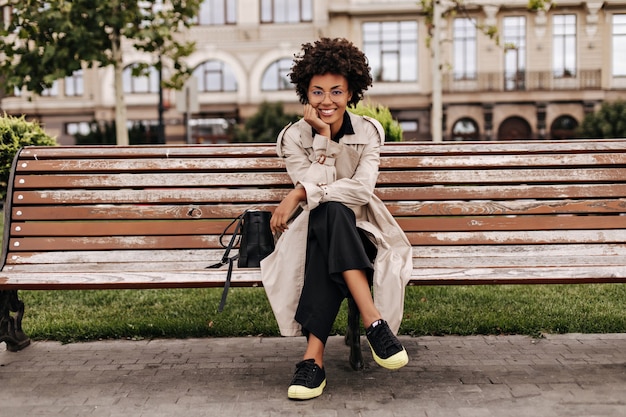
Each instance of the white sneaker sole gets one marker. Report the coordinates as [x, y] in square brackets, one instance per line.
[299, 392]
[393, 362]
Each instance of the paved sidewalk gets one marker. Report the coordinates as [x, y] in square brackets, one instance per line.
[560, 375]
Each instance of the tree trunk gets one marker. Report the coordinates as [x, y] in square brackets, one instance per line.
[121, 132]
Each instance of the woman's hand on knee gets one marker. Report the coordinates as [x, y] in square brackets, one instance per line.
[286, 208]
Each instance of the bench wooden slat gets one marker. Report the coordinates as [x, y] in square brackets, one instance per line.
[114, 242]
[501, 161]
[100, 181]
[416, 238]
[196, 265]
[250, 196]
[163, 166]
[501, 176]
[545, 255]
[205, 227]
[134, 211]
[516, 238]
[251, 277]
[501, 193]
[119, 228]
[233, 150]
[506, 208]
[248, 179]
[408, 193]
[407, 208]
[533, 223]
[272, 163]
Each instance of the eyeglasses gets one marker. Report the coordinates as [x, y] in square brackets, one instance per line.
[317, 96]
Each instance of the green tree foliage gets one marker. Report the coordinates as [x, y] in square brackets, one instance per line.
[15, 133]
[393, 130]
[265, 125]
[608, 122]
[45, 41]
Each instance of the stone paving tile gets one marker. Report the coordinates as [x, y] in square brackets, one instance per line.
[500, 376]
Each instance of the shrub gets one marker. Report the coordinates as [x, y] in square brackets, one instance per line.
[265, 125]
[15, 133]
[608, 122]
[393, 130]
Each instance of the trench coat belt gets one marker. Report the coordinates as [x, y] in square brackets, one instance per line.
[325, 160]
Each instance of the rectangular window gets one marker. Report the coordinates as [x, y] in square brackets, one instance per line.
[74, 85]
[514, 37]
[52, 91]
[619, 45]
[564, 45]
[464, 44]
[391, 49]
[286, 11]
[78, 128]
[217, 12]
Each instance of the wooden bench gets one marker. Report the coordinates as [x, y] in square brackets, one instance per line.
[150, 217]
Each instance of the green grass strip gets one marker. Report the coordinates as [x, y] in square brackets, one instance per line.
[70, 316]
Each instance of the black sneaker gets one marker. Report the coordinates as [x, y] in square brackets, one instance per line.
[387, 350]
[308, 381]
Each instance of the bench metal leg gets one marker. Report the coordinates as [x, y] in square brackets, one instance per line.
[353, 336]
[11, 326]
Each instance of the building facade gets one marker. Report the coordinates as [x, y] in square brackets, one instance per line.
[538, 78]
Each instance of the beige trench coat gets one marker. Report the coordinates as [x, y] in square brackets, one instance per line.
[345, 172]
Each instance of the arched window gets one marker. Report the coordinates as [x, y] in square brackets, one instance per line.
[465, 129]
[215, 76]
[563, 127]
[148, 82]
[514, 128]
[275, 76]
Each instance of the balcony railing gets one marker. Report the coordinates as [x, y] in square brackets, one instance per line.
[523, 81]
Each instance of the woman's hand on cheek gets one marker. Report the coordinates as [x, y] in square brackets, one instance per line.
[311, 116]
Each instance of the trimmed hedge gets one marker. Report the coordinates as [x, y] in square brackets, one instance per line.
[15, 133]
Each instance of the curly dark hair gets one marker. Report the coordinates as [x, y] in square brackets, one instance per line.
[335, 56]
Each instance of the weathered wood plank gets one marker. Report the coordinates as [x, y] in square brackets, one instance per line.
[144, 227]
[251, 277]
[483, 254]
[252, 196]
[416, 238]
[113, 243]
[248, 179]
[273, 163]
[404, 208]
[163, 165]
[199, 265]
[515, 207]
[503, 176]
[500, 193]
[134, 211]
[411, 148]
[260, 195]
[515, 223]
[517, 238]
[119, 228]
[160, 180]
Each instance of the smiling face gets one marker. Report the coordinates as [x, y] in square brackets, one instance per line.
[329, 95]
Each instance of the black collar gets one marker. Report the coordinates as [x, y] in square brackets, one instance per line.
[345, 129]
